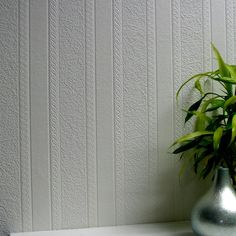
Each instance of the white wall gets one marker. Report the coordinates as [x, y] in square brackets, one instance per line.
[87, 107]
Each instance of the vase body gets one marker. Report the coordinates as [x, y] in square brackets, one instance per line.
[215, 213]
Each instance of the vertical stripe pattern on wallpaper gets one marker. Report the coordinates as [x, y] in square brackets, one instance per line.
[88, 109]
[54, 135]
[24, 118]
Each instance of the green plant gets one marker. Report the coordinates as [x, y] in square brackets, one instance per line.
[212, 143]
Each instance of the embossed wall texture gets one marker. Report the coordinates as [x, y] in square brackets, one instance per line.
[87, 107]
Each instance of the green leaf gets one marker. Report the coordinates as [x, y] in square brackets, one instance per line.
[223, 69]
[184, 165]
[222, 66]
[206, 142]
[216, 122]
[191, 136]
[229, 102]
[233, 135]
[232, 70]
[226, 80]
[197, 76]
[215, 104]
[205, 154]
[217, 137]
[198, 86]
[186, 146]
[201, 121]
[207, 103]
[208, 168]
[192, 108]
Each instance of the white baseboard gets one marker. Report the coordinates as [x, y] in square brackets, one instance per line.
[159, 229]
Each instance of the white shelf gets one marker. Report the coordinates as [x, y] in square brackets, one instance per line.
[160, 229]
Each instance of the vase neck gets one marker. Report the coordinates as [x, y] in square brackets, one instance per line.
[222, 177]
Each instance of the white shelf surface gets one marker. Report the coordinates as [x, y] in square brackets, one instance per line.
[159, 229]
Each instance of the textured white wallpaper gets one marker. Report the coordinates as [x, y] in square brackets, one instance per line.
[87, 107]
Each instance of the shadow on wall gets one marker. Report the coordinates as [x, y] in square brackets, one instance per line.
[3, 222]
[185, 234]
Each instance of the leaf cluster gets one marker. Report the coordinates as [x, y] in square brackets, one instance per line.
[213, 141]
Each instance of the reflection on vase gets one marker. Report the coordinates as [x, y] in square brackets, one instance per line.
[215, 213]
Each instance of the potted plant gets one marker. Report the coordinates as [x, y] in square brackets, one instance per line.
[212, 143]
[212, 148]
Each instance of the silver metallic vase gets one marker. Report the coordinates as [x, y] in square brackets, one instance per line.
[215, 213]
